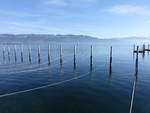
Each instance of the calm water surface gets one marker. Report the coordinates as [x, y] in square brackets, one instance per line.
[69, 90]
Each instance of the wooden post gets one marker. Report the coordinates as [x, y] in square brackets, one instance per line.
[74, 58]
[39, 59]
[8, 49]
[49, 55]
[60, 55]
[110, 63]
[4, 53]
[143, 55]
[22, 53]
[30, 55]
[136, 64]
[133, 51]
[91, 58]
[15, 54]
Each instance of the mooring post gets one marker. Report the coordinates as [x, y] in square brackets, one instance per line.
[39, 59]
[8, 49]
[136, 64]
[49, 55]
[74, 58]
[133, 51]
[110, 62]
[4, 53]
[30, 54]
[91, 58]
[60, 55]
[22, 53]
[15, 54]
[143, 55]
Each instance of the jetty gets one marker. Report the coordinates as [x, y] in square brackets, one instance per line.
[142, 50]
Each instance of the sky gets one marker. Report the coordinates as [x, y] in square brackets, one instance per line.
[98, 18]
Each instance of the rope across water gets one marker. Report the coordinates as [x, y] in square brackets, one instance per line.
[45, 86]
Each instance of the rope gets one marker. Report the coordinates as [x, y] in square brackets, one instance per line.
[45, 86]
[132, 98]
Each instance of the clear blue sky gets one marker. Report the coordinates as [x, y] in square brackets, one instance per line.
[100, 18]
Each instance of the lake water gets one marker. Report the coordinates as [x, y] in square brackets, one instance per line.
[41, 88]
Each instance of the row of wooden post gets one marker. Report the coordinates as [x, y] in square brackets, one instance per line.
[49, 59]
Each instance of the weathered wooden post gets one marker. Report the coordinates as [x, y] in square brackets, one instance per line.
[39, 59]
[91, 59]
[143, 55]
[15, 54]
[110, 62]
[8, 49]
[133, 51]
[49, 55]
[136, 64]
[4, 53]
[60, 55]
[22, 53]
[30, 54]
[74, 58]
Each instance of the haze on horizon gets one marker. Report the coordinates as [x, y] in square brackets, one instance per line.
[99, 18]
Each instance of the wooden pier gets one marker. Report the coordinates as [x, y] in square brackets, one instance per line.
[142, 50]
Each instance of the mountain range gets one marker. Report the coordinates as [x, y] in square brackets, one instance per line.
[47, 38]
